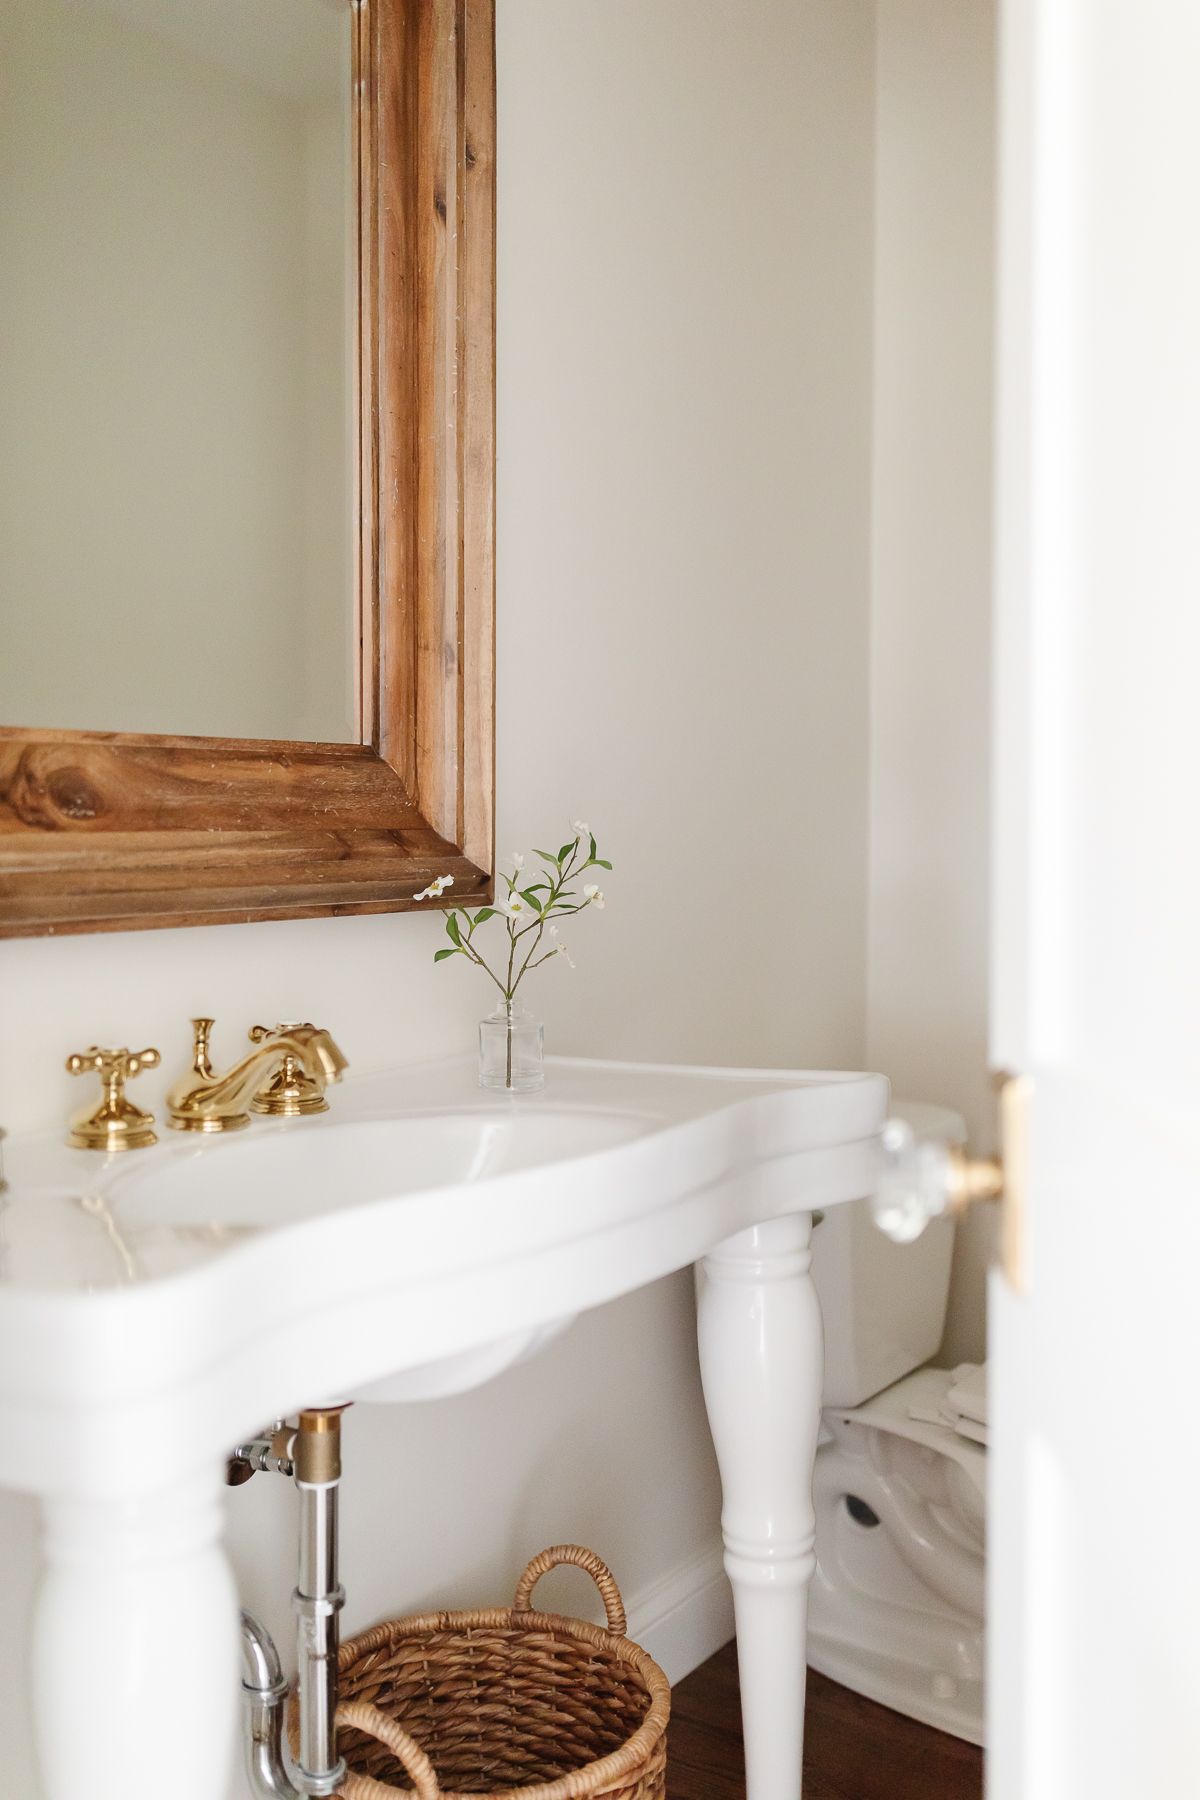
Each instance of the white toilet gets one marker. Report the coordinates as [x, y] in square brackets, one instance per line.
[897, 1606]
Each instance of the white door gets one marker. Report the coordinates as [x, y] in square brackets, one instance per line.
[1095, 1549]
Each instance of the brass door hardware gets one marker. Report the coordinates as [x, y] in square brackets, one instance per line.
[1000, 1179]
[291, 1091]
[920, 1181]
[206, 1101]
[116, 1123]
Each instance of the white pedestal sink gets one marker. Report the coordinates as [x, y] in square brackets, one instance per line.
[414, 1241]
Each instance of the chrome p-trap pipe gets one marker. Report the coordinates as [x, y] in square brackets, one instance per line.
[264, 1695]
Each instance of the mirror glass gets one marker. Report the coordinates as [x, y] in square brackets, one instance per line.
[178, 329]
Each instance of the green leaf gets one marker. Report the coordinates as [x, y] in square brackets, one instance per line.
[487, 912]
[545, 855]
[591, 849]
[452, 931]
[600, 863]
[530, 895]
[567, 849]
[441, 955]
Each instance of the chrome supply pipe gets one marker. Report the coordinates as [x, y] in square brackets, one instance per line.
[318, 1598]
[313, 1455]
[264, 1695]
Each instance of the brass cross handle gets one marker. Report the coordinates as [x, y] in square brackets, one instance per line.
[291, 1092]
[116, 1123]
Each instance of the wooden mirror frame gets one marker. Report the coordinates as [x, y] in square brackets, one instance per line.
[107, 831]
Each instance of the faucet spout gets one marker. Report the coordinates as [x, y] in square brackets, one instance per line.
[206, 1101]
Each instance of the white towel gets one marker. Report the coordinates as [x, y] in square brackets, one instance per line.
[968, 1392]
[962, 1406]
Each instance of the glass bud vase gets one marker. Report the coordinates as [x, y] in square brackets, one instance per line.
[510, 1050]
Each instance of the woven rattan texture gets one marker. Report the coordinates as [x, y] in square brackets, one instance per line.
[502, 1700]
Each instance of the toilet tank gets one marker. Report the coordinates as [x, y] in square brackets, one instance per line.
[884, 1304]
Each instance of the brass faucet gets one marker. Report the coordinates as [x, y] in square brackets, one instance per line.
[206, 1101]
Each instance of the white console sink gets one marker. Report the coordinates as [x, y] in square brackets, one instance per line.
[113, 1268]
[421, 1236]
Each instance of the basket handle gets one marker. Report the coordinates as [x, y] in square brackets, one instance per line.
[600, 1573]
[406, 1750]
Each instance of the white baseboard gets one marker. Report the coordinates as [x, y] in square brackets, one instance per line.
[685, 1616]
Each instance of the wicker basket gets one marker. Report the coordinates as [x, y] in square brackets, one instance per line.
[484, 1703]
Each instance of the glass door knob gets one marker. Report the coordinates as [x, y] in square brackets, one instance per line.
[922, 1179]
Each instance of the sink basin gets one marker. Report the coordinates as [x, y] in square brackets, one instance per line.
[300, 1169]
[288, 1174]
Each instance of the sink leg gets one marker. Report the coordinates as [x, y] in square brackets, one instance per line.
[761, 1363]
[135, 1646]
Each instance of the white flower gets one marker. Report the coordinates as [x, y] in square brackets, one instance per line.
[436, 888]
[518, 860]
[593, 896]
[561, 950]
[581, 828]
[553, 930]
[513, 907]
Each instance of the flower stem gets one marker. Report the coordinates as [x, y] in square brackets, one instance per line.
[475, 957]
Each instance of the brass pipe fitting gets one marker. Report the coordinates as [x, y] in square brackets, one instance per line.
[317, 1446]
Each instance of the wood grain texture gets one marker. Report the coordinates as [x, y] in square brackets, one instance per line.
[394, 284]
[477, 414]
[853, 1749]
[105, 831]
[368, 100]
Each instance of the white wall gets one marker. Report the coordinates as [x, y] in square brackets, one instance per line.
[684, 415]
[930, 581]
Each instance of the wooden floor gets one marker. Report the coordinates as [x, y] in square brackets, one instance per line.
[853, 1749]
